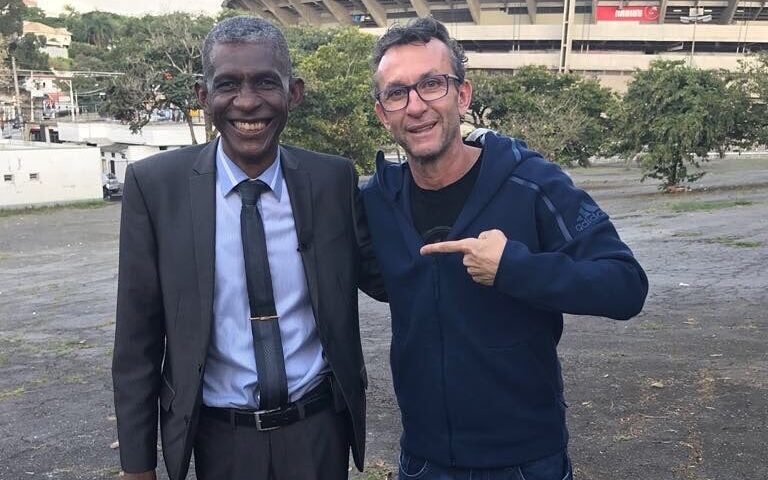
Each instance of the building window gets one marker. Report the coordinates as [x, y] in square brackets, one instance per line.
[8, 178]
[122, 155]
[34, 176]
[113, 154]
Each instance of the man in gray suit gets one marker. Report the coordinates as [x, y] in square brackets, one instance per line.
[237, 318]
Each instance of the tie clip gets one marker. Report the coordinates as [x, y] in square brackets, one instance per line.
[265, 318]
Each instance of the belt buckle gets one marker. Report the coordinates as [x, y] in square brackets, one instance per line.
[257, 417]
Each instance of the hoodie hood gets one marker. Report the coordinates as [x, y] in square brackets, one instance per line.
[501, 156]
[390, 176]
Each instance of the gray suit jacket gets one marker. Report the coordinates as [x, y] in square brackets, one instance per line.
[165, 292]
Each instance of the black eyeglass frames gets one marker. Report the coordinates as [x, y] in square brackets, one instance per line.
[428, 89]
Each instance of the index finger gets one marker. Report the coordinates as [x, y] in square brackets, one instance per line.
[455, 246]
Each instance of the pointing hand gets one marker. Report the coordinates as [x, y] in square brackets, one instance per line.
[481, 255]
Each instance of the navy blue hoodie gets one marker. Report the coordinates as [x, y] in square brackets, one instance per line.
[475, 367]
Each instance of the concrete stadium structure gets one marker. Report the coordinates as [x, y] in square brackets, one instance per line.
[603, 39]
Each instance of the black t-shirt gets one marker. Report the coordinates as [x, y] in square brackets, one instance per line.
[435, 211]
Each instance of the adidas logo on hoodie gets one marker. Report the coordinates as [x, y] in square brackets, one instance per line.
[589, 214]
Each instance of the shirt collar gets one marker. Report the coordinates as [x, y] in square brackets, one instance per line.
[229, 175]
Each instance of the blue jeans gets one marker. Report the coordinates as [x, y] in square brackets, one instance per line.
[553, 467]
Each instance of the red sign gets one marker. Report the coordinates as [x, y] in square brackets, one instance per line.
[648, 13]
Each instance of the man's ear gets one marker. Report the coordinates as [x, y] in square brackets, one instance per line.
[382, 115]
[201, 90]
[465, 96]
[295, 92]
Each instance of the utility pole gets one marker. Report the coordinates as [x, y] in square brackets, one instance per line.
[16, 101]
[71, 101]
[566, 39]
[31, 97]
[696, 15]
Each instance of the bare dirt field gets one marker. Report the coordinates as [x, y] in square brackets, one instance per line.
[680, 392]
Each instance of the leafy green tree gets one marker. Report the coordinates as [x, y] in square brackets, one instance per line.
[673, 115]
[561, 116]
[552, 126]
[132, 98]
[337, 113]
[5, 71]
[755, 75]
[491, 95]
[11, 17]
[28, 54]
[747, 116]
[165, 57]
[101, 29]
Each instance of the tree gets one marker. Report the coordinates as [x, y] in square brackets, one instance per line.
[491, 93]
[337, 112]
[560, 115]
[551, 125]
[165, 57]
[755, 75]
[673, 115]
[28, 53]
[11, 17]
[5, 72]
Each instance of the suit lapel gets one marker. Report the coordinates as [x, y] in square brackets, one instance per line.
[202, 192]
[300, 191]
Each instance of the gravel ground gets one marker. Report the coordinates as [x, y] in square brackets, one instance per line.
[677, 393]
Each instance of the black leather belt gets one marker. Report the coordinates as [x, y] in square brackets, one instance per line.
[315, 401]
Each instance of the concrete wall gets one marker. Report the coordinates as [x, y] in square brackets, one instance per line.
[155, 134]
[64, 174]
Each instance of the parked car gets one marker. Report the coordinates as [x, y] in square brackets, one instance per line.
[110, 186]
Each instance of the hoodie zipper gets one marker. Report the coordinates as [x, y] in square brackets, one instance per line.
[436, 291]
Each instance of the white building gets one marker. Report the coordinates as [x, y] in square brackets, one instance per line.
[120, 147]
[35, 173]
[57, 40]
[116, 157]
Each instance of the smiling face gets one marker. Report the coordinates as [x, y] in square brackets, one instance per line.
[426, 130]
[248, 97]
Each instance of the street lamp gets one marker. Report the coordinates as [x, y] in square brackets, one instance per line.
[695, 16]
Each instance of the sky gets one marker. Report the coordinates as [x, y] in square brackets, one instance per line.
[132, 7]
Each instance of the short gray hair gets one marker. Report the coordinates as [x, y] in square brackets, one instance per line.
[244, 29]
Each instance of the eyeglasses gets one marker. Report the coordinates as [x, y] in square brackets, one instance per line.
[429, 89]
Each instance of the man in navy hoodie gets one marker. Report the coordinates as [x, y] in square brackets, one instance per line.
[476, 317]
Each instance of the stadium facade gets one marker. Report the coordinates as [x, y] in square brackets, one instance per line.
[603, 39]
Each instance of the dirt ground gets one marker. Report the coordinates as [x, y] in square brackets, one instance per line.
[679, 392]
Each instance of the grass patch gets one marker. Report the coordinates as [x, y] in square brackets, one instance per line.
[687, 234]
[82, 205]
[651, 326]
[12, 393]
[74, 379]
[702, 206]
[68, 346]
[734, 242]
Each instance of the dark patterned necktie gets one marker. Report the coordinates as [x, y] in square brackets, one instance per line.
[268, 346]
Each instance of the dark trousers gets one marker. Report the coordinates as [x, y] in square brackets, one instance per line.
[552, 467]
[315, 448]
